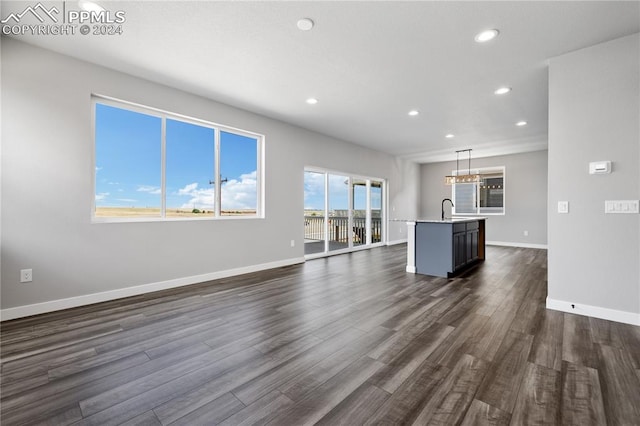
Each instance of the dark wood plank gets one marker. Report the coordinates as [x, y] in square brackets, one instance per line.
[407, 316]
[64, 416]
[501, 384]
[407, 402]
[458, 341]
[403, 363]
[530, 316]
[261, 411]
[482, 414]
[546, 349]
[213, 412]
[326, 397]
[620, 386]
[275, 378]
[618, 335]
[356, 409]
[577, 341]
[93, 382]
[485, 343]
[581, 396]
[460, 311]
[390, 348]
[454, 396]
[539, 397]
[131, 399]
[145, 419]
[300, 386]
[16, 386]
[193, 391]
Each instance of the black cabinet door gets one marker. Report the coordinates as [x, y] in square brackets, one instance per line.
[472, 245]
[459, 250]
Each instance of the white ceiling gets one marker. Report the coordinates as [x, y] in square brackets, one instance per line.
[368, 63]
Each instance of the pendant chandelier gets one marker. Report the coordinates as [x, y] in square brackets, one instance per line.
[466, 178]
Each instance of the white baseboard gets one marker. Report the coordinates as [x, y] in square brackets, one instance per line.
[594, 311]
[395, 242]
[88, 299]
[410, 269]
[523, 245]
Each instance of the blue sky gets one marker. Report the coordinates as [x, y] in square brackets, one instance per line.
[338, 193]
[128, 163]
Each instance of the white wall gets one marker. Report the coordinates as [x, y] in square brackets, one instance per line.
[525, 196]
[47, 190]
[594, 114]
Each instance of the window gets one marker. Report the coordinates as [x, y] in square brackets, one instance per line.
[485, 197]
[151, 164]
[189, 170]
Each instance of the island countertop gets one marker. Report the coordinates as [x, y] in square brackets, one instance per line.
[455, 219]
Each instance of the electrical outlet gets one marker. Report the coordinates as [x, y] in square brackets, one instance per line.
[563, 207]
[26, 275]
[526, 233]
[293, 243]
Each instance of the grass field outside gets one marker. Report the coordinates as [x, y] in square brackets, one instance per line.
[171, 213]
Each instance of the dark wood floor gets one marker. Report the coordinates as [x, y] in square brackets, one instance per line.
[350, 339]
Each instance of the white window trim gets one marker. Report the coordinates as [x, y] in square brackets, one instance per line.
[164, 115]
[482, 170]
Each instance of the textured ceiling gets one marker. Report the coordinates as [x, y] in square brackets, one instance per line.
[368, 63]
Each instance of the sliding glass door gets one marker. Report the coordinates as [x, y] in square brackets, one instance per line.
[338, 212]
[360, 211]
[341, 212]
[315, 226]
[376, 211]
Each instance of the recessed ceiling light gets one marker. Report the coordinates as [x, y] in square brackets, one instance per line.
[414, 112]
[449, 136]
[502, 90]
[487, 35]
[521, 123]
[90, 6]
[305, 24]
[312, 101]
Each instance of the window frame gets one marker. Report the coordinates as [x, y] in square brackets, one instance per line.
[482, 171]
[164, 116]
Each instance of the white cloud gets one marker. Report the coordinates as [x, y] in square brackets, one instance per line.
[188, 189]
[237, 194]
[240, 194]
[200, 198]
[313, 185]
[127, 200]
[150, 189]
[101, 196]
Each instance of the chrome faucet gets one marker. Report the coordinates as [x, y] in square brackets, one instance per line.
[446, 199]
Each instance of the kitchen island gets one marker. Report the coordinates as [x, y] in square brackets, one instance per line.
[444, 247]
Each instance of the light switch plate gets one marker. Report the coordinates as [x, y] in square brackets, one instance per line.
[563, 207]
[621, 206]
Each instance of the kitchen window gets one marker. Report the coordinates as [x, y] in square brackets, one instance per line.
[155, 165]
[486, 197]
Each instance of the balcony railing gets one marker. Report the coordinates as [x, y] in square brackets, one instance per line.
[339, 229]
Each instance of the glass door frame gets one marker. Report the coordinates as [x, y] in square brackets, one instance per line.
[350, 212]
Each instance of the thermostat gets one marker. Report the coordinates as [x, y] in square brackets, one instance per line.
[599, 167]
